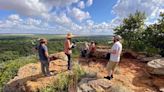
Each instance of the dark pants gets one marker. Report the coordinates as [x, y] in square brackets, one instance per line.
[45, 67]
[83, 53]
[69, 61]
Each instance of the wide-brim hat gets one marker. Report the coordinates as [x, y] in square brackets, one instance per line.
[69, 35]
[118, 37]
[42, 40]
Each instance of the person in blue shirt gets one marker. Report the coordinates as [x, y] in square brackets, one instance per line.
[43, 57]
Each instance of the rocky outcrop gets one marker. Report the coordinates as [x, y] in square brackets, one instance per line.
[94, 85]
[140, 56]
[145, 59]
[30, 79]
[60, 55]
[129, 54]
[101, 53]
[103, 47]
[156, 66]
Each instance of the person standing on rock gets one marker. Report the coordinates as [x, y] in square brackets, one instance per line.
[68, 45]
[114, 56]
[43, 57]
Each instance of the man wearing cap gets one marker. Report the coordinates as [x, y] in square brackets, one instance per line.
[68, 49]
[114, 56]
[43, 56]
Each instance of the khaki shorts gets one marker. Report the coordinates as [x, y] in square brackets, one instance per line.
[111, 65]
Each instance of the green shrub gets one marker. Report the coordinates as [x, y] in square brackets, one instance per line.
[64, 79]
[10, 68]
[138, 46]
[78, 71]
[151, 51]
[8, 55]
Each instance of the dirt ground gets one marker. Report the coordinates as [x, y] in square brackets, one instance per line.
[130, 73]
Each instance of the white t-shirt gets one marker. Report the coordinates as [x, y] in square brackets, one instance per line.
[118, 47]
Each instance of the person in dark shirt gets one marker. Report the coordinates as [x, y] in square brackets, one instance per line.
[43, 57]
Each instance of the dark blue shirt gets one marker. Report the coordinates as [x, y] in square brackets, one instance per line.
[41, 50]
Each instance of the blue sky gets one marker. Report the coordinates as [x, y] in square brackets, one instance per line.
[77, 16]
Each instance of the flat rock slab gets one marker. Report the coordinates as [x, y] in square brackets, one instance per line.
[105, 84]
[86, 88]
[147, 59]
[156, 66]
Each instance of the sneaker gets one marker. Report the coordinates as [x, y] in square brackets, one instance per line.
[107, 77]
[48, 75]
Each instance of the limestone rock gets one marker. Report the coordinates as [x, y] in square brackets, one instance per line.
[30, 79]
[60, 55]
[86, 88]
[101, 53]
[145, 59]
[100, 85]
[156, 66]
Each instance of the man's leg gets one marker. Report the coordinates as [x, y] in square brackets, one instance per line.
[110, 73]
[43, 67]
[110, 70]
[69, 61]
[114, 68]
[47, 68]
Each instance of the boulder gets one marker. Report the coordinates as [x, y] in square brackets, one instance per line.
[129, 54]
[100, 85]
[60, 55]
[86, 88]
[101, 53]
[90, 74]
[85, 80]
[156, 66]
[30, 79]
[94, 85]
[103, 47]
[147, 59]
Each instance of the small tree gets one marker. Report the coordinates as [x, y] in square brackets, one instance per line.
[131, 28]
[153, 36]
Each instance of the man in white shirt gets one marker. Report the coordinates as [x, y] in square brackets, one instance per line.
[114, 56]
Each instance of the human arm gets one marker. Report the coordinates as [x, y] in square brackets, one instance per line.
[115, 49]
[46, 51]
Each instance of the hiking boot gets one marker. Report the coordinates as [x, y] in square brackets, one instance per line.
[108, 77]
[48, 75]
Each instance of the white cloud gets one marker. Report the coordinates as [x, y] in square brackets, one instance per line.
[34, 7]
[59, 24]
[79, 14]
[102, 26]
[14, 17]
[17, 24]
[59, 3]
[152, 8]
[81, 5]
[26, 7]
[89, 2]
[42, 16]
[31, 21]
[90, 22]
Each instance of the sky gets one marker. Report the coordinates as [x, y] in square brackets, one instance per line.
[85, 17]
